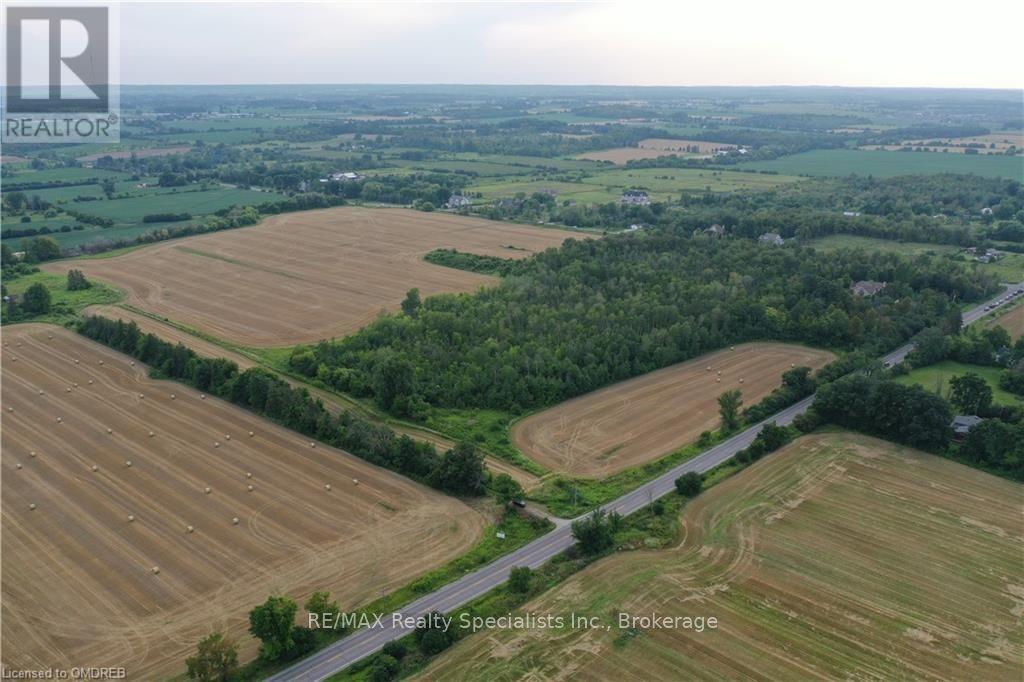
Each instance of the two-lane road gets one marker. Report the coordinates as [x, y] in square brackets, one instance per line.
[364, 642]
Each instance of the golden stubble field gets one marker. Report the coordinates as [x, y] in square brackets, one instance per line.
[301, 277]
[654, 147]
[78, 580]
[839, 557]
[640, 419]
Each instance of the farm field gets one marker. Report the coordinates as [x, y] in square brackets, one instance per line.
[79, 585]
[936, 378]
[621, 155]
[1012, 321]
[342, 266]
[638, 420]
[138, 153]
[887, 164]
[195, 201]
[839, 557]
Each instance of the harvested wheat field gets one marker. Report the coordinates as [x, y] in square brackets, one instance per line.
[840, 557]
[638, 420]
[1011, 320]
[131, 564]
[301, 277]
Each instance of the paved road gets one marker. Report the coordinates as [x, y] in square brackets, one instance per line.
[367, 641]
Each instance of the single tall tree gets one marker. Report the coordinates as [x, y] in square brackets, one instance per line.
[729, 407]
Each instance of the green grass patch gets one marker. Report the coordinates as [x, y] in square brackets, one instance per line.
[66, 305]
[197, 202]
[936, 378]
[486, 428]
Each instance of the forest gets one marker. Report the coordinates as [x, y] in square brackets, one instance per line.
[594, 312]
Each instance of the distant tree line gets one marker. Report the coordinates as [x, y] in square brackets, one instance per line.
[459, 471]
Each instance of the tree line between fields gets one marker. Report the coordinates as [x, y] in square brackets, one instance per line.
[459, 471]
[595, 312]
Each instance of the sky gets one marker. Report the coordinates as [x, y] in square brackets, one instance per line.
[891, 43]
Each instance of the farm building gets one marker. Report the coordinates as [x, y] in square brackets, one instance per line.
[458, 201]
[636, 197]
[962, 423]
[867, 287]
[345, 176]
[716, 231]
[771, 238]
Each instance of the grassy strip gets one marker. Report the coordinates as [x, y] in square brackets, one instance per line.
[489, 429]
[518, 531]
[570, 497]
[66, 306]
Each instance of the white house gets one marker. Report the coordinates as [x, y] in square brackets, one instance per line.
[771, 238]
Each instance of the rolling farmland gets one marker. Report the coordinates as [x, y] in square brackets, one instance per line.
[887, 164]
[839, 557]
[107, 562]
[341, 268]
[638, 420]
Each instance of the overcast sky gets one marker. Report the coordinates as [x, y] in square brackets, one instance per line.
[936, 43]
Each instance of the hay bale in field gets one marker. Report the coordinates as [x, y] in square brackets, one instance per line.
[131, 518]
[312, 444]
[216, 443]
[709, 369]
[127, 462]
[101, 362]
[95, 468]
[90, 382]
[14, 359]
[227, 436]
[109, 430]
[151, 434]
[327, 487]
[234, 520]
[355, 481]
[250, 488]
[718, 381]
[75, 385]
[32, 506]
[60, 420]
[202, 396]
[719, 372]
[156, 570]
[32, 454]
[741, 381]
[248, 474]
[141, 396]
[68, 389]
[10, 409]
[190, 529]
[206, 490]
[251, 434]
[172, 396]
[76, 362]
[132, 363]
[17, 465]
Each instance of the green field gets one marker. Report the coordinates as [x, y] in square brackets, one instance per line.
[187, 200]
[936, 378]
[66, 304]
[886, 164]
[1010, 268]
[21, 178]
[662, 184]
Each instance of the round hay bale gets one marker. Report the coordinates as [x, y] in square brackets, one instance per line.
[251, 434]
[95, 468]
[90, 382]
[14, 359]
[141, 396]
[732, 347]
[32, 454]
[718, 381]
[172, 396]
[355, 481]
[68, 389]
[792, 365]
[10, 409]
[156, 570]
[109, 430]
[216, 443]
[40, 391]
[127, 462]
[151, 434]
[19, 344]
[227, 436]
[709, 369]
[132, 363]
[101, 362]
[250, 488]
[131, 518]
[32, 506]
[312, 444]
[202, 396]
[190, 529]
[234, 520]
[76, 362]
[17, 465]
[60, 420]
[326, 487]
[719, 372]
[50, 336]
[741, 381]
[248, 474]
[206, 490]
[75, 385]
